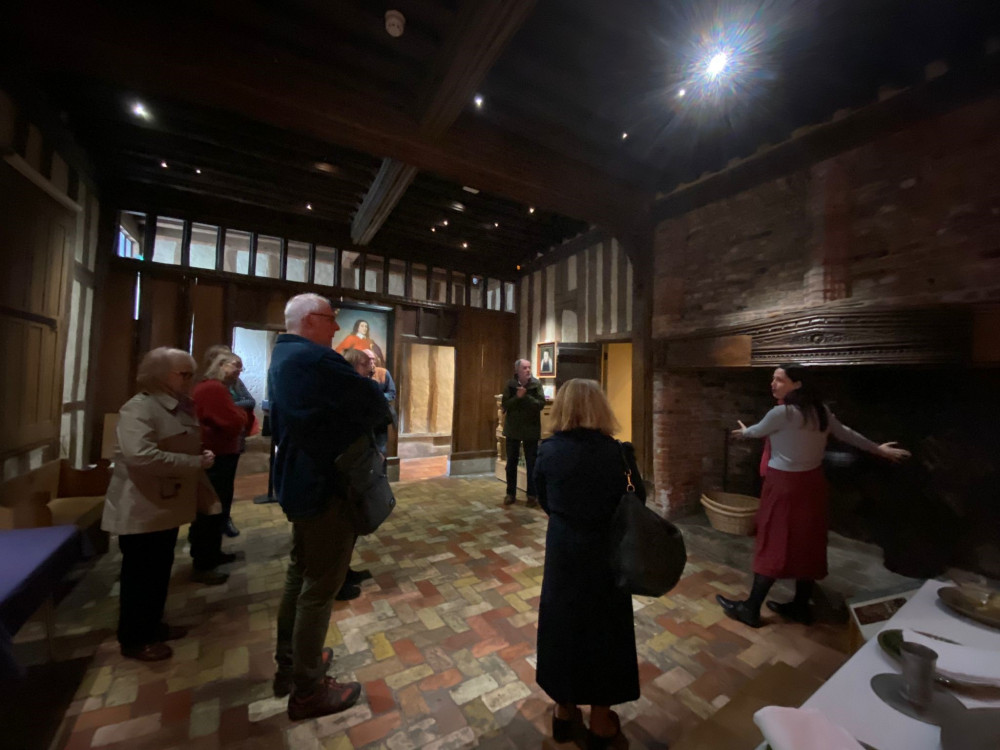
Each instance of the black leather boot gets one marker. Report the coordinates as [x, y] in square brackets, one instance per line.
[739, 610]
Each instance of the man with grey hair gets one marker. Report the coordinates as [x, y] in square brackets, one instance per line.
[319, 406]
[522, 403]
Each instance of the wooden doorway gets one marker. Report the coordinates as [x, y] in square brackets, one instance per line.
[426, 399]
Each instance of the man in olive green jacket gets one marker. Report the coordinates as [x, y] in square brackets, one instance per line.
[522, 402]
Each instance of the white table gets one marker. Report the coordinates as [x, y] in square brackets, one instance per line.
[847, 697]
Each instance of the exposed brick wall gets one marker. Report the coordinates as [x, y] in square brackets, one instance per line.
[911, 218]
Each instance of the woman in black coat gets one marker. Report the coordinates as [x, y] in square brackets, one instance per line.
[586, 632]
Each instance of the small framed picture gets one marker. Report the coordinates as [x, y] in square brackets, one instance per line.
[549, 391]
[546, 362]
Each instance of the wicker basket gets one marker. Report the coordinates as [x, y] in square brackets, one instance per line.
[731, 513]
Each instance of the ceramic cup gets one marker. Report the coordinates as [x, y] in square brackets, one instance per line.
[918, 674]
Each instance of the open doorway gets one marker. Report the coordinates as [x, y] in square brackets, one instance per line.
[617, 382]
[426, 402]
[254, 345]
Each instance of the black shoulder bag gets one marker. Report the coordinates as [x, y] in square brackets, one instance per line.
[365, 484]
[647, 551]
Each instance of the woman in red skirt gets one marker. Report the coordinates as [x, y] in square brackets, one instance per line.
[791, 522]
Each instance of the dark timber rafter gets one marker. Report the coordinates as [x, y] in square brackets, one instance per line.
[480, 35]
[290, 92]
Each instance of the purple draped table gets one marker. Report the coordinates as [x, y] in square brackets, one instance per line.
[32, 564]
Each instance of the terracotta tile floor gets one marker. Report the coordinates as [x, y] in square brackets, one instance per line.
[428, 467]
[443, 639]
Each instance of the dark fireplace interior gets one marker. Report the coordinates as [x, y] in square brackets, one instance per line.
[941, 508]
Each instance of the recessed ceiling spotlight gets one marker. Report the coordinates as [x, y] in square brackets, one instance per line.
[496, 224]
[139, 110]
[519, 267]
[479, 101]
[531, 210]
[163, 164]
[433, 229]
[309, 207]
[465, 245]
[325, 166]
[456, 206]
[681, 93]
[474, 191]
[624, 136]
[197, 171]
[444, 223]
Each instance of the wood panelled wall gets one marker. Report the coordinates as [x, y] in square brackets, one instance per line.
[179, 306]
[34, 251]
[48, 238]
[584, 297]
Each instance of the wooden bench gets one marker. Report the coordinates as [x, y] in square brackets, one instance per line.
[56, 494]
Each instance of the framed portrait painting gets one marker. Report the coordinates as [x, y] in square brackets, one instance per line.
[546, 362]
[364, 327]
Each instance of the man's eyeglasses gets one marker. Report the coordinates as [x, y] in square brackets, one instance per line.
[185, 375]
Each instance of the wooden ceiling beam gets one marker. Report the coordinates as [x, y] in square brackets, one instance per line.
[473, 231]
[387, 188]
[479, 35]
[248, 197]
[224, 167]
[291, 94]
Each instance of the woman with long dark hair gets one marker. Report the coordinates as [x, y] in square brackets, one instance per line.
[792, 520]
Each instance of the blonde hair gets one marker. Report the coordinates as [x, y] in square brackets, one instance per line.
[156, 364]
[214, 370]
[211, 354]
[581, 403]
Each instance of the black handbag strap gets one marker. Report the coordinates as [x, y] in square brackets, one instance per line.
[628, 469]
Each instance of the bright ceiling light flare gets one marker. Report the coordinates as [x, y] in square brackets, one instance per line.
[139, 110]
[479, 101]
[716, 65]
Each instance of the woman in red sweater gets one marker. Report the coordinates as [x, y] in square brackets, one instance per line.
[222, 425]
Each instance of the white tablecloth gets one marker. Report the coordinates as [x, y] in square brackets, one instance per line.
[848, 700]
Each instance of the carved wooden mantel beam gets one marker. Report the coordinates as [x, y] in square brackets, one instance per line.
[887, 336]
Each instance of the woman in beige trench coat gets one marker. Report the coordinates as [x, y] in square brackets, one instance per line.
[158, 482]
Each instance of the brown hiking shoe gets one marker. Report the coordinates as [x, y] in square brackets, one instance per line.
[330, 697]
[509, 500]
[283, 679]
[532, 501]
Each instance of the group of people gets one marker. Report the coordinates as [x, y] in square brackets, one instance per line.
[586, 638]
[178, 448]
[179, 441]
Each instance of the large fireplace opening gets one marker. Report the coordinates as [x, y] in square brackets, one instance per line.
[939, 509]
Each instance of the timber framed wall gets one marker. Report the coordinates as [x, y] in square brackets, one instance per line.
[48, 248]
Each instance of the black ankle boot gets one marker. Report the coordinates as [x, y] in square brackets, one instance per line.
[562, 729]
[739, 610]
[792, 611]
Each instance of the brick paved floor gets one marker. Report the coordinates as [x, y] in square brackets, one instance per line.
[443, 640]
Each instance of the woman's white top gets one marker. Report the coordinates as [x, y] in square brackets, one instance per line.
[797, 445]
